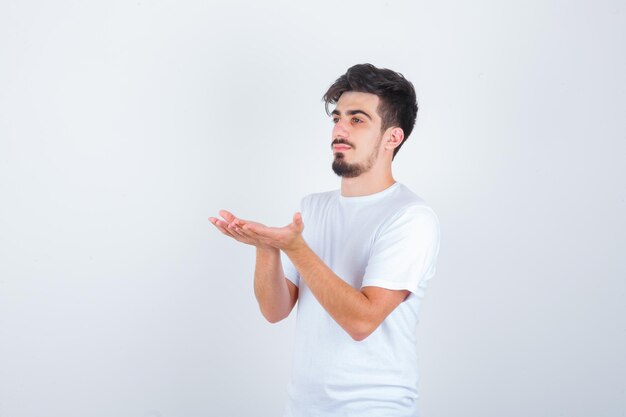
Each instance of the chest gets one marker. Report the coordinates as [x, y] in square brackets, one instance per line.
[343, 239]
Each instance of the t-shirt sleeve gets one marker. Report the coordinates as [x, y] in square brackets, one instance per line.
[405, 250]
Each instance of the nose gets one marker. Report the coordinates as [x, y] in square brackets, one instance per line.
[340, 131]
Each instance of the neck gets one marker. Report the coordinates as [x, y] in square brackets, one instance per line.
[371, 182]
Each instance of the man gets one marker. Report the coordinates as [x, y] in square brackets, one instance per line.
[356, 261]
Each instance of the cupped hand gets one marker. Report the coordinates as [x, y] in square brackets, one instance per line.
[232, 226]
[285, 238]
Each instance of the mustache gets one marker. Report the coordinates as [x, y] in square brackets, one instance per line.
[341, 142]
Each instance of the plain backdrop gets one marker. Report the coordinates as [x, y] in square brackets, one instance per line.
[125, 125]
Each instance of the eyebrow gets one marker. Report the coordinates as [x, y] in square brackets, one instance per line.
[352, 113]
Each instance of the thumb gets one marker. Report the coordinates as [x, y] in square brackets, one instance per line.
[297, 220]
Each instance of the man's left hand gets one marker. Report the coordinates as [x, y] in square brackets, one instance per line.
[286, 238]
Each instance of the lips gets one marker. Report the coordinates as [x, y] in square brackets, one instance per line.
[341, 147]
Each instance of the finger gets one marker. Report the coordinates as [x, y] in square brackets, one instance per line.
[247, 232]
[216, 221]
[248, 226]
[256, 228]
[267, 235]
[251, 237]
[257, 237]
[223, 227]
[252, 232]
[224, 231]
[230, 218]
[227, 215]
[236, 230]
[237, 225]
[239, 222]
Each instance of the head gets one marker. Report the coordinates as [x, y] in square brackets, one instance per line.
[392, 105]
[357, 139]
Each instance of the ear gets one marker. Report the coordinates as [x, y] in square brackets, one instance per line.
[393, 138]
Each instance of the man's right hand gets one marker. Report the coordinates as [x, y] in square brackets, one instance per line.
[274, 292]
[231, 226]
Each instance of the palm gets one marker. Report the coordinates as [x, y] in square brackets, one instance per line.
[257, 234]
[232, 226]
[278, 237]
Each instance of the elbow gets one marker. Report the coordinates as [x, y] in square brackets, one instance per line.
[359, 337]
[360, 332]
[273, 317]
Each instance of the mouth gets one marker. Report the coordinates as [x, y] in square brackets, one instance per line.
[341, 148]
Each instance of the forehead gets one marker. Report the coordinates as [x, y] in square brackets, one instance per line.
[352, 100]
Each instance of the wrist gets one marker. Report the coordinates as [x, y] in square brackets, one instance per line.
[297, 247]
[267, 250]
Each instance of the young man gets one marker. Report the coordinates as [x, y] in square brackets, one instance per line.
[359, 268]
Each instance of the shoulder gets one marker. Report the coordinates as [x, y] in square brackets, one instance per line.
[405, 200]
[317, 200]
[406, 206]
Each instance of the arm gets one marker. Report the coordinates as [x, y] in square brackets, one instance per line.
[359, 313]
[275, 294]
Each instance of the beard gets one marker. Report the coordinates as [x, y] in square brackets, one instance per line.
[351, 170]
[347, 170]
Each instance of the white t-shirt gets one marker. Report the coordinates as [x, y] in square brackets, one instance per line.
[389, 239]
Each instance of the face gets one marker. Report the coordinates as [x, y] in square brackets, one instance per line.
[356, 134]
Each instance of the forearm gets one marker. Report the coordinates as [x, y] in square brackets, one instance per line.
[270, 287]
[358, 312]
[349, 307]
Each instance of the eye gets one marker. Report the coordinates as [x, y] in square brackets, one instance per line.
[335, 119]
[357, 120]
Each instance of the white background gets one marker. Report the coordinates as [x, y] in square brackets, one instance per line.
[125, 125]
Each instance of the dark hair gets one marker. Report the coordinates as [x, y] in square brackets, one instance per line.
[398, 104]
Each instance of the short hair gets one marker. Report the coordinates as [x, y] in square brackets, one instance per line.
[398, 104]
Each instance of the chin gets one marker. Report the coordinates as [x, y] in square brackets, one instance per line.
[346, 170]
